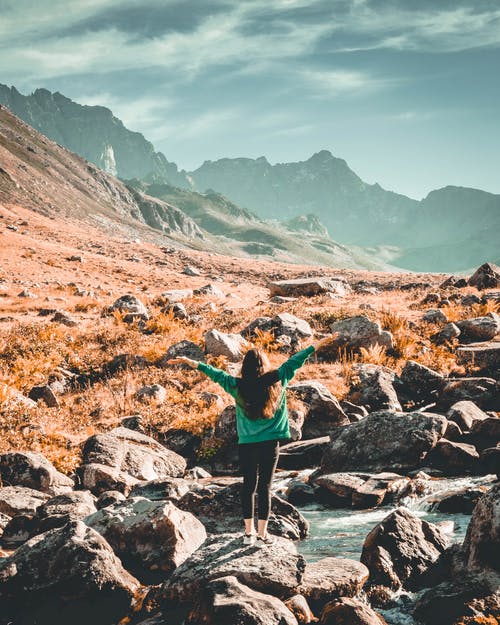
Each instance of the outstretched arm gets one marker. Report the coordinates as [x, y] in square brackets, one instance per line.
[289, 367]
[228, 382]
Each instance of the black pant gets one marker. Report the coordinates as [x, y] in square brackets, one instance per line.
[257, 464]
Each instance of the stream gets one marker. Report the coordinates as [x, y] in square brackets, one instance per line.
[341, 532]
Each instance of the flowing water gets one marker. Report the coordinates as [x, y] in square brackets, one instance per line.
[341, 532]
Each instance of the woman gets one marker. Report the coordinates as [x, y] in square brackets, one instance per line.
[261, 422]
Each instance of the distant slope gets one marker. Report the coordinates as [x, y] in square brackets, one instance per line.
[92, 132]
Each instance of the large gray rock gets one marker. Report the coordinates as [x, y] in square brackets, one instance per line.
[16, 500]
[66, 575]
[119, 459]
[331, 578]
[419, 382]
[225, 601]
[152, 538]
[165, 489]
[465, 414]
[482, 541]
[290, 325]
[382, 488]
[400, 549]
[232, 346]
[479, 328]
[484, 392]
[61, 509]
[486, 277]
[374, 388]
[324, 411]
[485, 356]
[454, 458]
[309, 286]
[303, 454]
[384, 440]
[356, 332]
[33, 470]
[131, 307]
[183, 348]
[219, 509]
[276, 569]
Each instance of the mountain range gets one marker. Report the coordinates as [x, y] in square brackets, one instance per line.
[452, 229]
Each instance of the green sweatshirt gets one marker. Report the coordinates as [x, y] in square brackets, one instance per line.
[257, 430]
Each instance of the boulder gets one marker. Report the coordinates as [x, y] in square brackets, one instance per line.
[62, 509]
[109, 498]
[380, 489]
[131, 308]
[119, 459]
[232, 346]
[182, 442]
[183, 348]
[355, 332]
[289, 325]
[479, 328]
[323, 409]
[225, 601]
[435, 315]
[337, 489]
[309, 287]
[400, 549]
[276, 569]
[219, 509]
[66, 575]
[384, 440]
[484, 392]
[152, 538]
[300, 609]
[374, 388]
[33, 470]
[418, 382]
[461, 501]
[487, 276]
[449, 332]
[465, 414]
[490, 460]
[350, 611]
[303, 454]
[484, 356]
[20, 500]
[454, 458]
[298, 493]
[481, 546]
[331, 578]
[487, 429]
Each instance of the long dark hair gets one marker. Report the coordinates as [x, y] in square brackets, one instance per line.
[258, 388]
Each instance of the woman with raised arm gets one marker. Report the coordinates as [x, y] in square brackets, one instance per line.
[261, 422]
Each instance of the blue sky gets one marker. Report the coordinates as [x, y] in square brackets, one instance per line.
[407, 91]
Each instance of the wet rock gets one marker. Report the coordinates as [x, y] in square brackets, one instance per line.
[309, 287]
[152, 538]
[453, 458]
[324, 412]
[463, 501]
[33, 470]
[232, 346]
[20, 500]
[44, 393]
[400, 549]
[66, 575]
[275, 569]
[155, 393]
[118, 459]
[183, 348]
[331, 578]
[465, 414]
[384, 440]
[350, 611]
[380, 489]
[479, 328]
[303, 454]
[336, 489]
[482, 542]
[170, 488]
[131, 307]
[219, 509]
[374, 388]
[225, 601]
[484, 392]
[298, 493]
[356, 332]
[487, 276]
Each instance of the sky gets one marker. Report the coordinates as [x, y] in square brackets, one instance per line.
[406, 91]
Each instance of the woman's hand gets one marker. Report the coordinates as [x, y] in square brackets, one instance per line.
[183, 360]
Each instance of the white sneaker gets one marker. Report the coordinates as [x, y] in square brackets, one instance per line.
[249, 539]
[262, 542]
